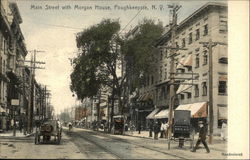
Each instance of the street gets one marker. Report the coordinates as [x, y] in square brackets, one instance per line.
[88, 144]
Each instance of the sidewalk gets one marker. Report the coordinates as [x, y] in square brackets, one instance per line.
[218, 143]
[18, 134]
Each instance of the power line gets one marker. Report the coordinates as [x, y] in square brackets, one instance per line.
[130, 21]
[60, 26]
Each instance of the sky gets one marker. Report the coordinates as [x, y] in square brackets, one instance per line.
[54, 31]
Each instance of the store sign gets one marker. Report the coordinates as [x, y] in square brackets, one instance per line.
[15, 102]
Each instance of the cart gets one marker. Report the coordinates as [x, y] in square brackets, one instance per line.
[47, 130]
[118, 124]
[182, 130]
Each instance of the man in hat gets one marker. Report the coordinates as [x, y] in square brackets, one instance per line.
[202, 137]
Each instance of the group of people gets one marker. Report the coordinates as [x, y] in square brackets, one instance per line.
[157, 127]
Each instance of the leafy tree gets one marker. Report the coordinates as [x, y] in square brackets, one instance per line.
[95, 66]
[139, 51]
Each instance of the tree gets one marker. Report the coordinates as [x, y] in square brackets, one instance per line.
[139, 51]
[95, 66]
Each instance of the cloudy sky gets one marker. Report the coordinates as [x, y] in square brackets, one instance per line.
[54, 31]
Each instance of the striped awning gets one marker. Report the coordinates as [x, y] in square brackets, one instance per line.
[198, 110]
[186, 87]
[188, 61]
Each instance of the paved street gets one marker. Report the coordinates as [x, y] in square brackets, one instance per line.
[87, 144]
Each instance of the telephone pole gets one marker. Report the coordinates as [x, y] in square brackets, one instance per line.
[209, 45]
[32, 67]
[174, 9]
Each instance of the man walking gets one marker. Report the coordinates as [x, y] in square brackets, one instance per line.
[202, 137]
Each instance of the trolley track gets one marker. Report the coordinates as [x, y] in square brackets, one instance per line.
[115, 155]
[87, 134]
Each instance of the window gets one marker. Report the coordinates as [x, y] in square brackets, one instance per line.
[165, 72]
[177, 45]
[190, 38]
[197, 34]
[205, 58]
[152, 80]
[197, 61]
[222, 89]
[161, 55]
[189, 95]
[196, 91]
[223, 24]
[4, 67]
[182, 96]
[223, 60]
[205, 30]
[204, 88]
[183, 42]
[160, 74]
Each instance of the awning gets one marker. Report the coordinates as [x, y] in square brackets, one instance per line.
[103, 104]
[2, 110]
[222, 77]
[184, 87]
[198, 110]
[222, 112]
[162, 114]
[145, 98]
[188, 61]
[152, 114]
[141, 97]
[180, 64]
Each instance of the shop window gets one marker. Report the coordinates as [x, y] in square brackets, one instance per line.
[197, 34]
[197, 61]
[190, 38]
[222, 89]
[204, 88]
[205, 30]
[189, 95]
[196, 91]
[183, 42]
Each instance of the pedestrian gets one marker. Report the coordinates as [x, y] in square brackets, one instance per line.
[21, 126]
[224, 131]
[166, 129]
[156, 129]
[139, 127]
[151, 128]
[12, 123]
[202, 137]
[162, 129]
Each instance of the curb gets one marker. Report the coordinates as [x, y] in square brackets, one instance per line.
[29, 135]
[137, 136]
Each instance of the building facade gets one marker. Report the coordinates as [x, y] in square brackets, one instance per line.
[191, 67]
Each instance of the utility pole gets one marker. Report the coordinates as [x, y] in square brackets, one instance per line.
[174, 9]
[32, 67]
[209, 45]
